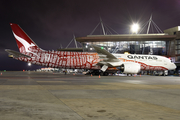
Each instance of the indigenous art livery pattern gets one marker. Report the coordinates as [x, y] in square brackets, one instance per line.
[61, 59]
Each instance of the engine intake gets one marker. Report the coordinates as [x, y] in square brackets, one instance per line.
[130, 68]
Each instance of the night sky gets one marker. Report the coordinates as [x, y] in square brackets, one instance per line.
[53, 22]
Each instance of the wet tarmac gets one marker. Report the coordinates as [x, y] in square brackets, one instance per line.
[55, 96]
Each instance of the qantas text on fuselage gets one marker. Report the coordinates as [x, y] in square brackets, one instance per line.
[142, 57]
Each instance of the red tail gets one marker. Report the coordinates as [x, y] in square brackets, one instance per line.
[24, 42]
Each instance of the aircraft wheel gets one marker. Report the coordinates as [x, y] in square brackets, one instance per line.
[101, 73]
[106, 74]
[129, 75]
[96, 73]
[93, 73]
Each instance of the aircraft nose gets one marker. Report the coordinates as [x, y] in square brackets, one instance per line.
[173, 66]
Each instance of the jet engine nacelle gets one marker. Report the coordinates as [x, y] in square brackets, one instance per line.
[131, 68]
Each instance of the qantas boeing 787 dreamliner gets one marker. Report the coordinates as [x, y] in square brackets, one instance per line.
[101, 62]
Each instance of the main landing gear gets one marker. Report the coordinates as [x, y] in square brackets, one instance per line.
[99, 72]
[129, 74]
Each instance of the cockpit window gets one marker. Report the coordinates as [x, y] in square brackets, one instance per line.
[171, 60]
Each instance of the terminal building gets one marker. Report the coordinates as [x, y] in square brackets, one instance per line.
[165, 44]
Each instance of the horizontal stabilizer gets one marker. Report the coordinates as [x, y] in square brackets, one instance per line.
[16, 54]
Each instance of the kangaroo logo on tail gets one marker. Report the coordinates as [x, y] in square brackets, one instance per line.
[25, 44]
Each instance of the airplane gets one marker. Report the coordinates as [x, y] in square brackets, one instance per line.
[102, 62]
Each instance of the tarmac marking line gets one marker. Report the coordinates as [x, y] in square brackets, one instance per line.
[52, 81]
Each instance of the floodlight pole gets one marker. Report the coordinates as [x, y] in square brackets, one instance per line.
[75, 41]
[149, 24]
[102, 26]
[60, 46]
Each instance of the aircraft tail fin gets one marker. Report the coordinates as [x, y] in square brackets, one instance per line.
[24, 42]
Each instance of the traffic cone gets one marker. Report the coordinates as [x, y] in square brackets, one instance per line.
[99, 76]
[91, 75]
[134, 75]
[140, 75]
[1, 73]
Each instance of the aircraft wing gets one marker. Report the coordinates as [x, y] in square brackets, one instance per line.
[108, 56]
[16, 54]
[109, 60]
[109, 64]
